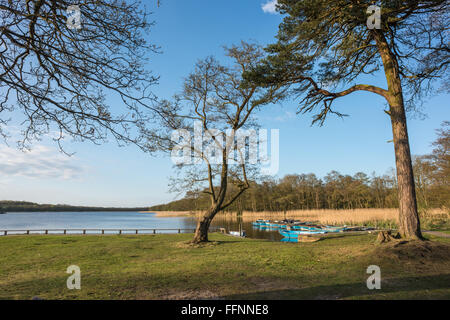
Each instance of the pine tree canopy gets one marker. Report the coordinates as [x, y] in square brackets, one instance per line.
[325, 45]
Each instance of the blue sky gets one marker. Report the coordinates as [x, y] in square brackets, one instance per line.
[188, 30]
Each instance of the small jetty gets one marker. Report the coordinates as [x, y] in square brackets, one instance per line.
[240, 234]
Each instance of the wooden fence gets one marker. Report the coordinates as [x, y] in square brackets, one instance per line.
[94, 231]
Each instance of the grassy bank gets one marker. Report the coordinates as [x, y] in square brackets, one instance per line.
[166, 267]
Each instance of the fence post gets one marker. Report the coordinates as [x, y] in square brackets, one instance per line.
[154, 231]
[179, 230]
[136, 231]
[103, 231]
[6, 233]
[46, 231]
[65, 231]
[84, 231]
[28, 231]
[120, 231]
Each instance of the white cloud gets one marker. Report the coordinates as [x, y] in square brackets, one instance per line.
[270, 6]
[40, 162]
[286, 116]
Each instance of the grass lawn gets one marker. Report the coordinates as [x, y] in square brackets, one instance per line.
[166, 267]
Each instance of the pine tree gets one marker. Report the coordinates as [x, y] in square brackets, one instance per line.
[326, 44]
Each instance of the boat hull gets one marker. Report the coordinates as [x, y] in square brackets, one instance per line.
[296, 233]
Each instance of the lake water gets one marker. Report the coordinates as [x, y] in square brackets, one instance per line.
[119, 220]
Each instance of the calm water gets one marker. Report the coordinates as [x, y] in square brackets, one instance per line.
[118, 220]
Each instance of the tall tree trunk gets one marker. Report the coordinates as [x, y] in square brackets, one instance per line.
[317, 200]
[409, 223]
[203, 224]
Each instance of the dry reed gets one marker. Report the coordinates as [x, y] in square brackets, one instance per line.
[324, 216]
[169, 214]
[334, 217]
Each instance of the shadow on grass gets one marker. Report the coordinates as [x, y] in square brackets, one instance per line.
[390, 286]
[174, 286]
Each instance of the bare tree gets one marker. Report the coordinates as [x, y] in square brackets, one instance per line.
[214, 107]
[63, 62]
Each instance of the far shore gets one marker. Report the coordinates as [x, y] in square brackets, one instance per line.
[172, 213]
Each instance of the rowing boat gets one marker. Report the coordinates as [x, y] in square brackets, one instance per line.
[260, 223]
[296, 233]
[307, 228]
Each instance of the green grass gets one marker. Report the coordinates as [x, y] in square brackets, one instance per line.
[166, 267]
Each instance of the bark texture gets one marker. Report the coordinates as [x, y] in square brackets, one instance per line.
[203, 224]
[409, 223]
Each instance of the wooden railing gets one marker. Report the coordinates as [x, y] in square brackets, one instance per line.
[95, 231]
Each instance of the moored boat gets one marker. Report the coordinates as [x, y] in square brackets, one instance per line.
[303, 227]
[296, 233]
[307, 228]
[268, 224]
[260, 223]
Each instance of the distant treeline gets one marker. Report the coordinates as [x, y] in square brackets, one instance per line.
[340, 191]
[23, 206]
[304, 191]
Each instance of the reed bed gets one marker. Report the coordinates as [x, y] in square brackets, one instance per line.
[325, 216]
[169, 214]
[431, 219]
[387, 218]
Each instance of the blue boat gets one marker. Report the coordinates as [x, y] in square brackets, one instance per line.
[296, 233]
[268, 224]
[260, 223]
[295, 227]
[285, 239]
[306, 228]
[273, 225]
